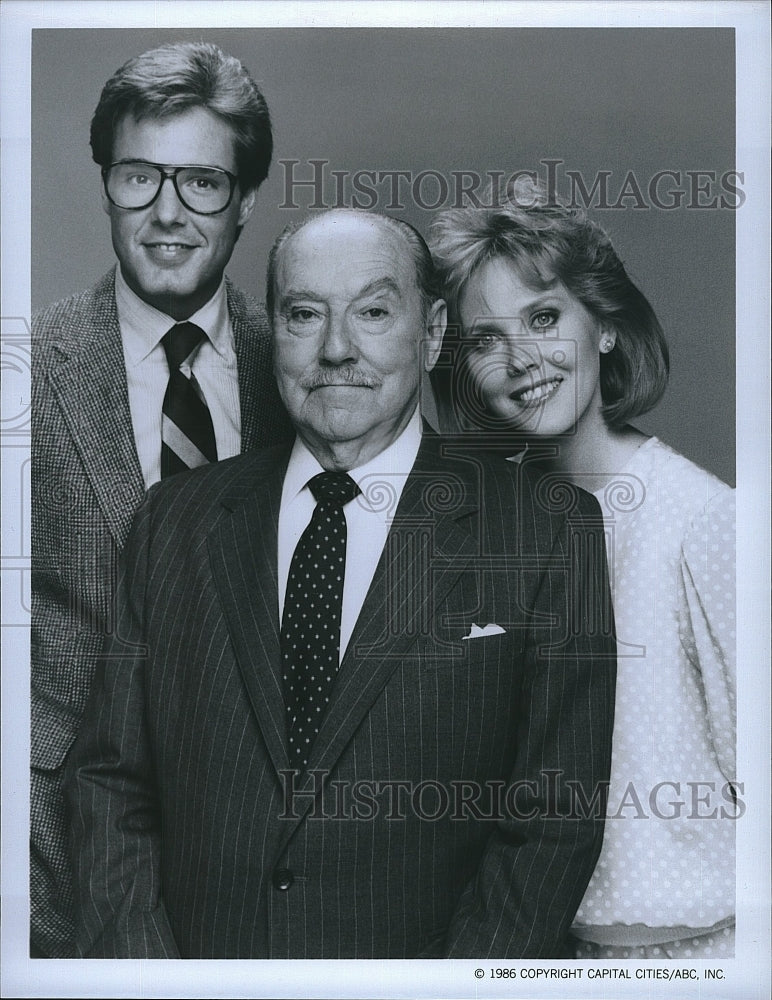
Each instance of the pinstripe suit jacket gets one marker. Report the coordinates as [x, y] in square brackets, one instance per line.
[87, 484]
[190, 837]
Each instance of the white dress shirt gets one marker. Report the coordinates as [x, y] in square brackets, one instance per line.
[368, 516]
[147, 373]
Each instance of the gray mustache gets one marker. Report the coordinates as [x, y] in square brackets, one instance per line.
[340, 376]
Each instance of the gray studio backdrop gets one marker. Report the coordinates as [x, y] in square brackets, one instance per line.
[599, 103]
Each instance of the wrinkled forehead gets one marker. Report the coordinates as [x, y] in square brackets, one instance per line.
[341, 254]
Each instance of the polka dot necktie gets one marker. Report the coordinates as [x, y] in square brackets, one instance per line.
[310, 627]
[187, 432]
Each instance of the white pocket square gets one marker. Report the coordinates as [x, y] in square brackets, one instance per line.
[478, 633]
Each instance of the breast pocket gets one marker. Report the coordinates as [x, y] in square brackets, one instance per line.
[454, 648]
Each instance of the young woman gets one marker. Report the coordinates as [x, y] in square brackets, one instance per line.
[557, 351]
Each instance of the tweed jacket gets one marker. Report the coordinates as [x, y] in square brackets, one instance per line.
[87, 484]
[439, 815]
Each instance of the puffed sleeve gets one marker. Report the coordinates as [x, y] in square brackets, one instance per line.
[707, 619]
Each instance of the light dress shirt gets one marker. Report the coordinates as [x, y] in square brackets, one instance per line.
[147, 373]
[368, 516]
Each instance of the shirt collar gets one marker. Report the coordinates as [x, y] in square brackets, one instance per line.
[143, 326]
[397, 460]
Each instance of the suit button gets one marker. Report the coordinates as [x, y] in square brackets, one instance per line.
[282, 879]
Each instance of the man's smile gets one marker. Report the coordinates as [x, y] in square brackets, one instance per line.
[162, 251]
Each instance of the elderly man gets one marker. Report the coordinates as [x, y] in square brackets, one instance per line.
[351, 689]
[161, 366]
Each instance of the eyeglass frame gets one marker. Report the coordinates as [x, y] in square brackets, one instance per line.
[169, 172]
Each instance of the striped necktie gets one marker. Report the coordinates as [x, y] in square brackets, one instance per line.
[187, 433]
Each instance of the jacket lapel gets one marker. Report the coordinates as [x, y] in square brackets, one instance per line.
[426, 551]
[406, 588]
[243, 556]
[245, 347]
[263, 419]
[89, 382]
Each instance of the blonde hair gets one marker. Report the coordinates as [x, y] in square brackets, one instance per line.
[548, 241]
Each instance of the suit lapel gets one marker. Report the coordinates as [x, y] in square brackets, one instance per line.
[244, 346]
[264, 421]
[252, 344]
[243, 556]
[425, 553]
[394, 617]
[89, 382]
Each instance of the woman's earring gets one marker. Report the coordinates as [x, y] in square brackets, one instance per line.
[606, 345]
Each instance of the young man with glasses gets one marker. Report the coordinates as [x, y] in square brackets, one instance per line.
[162, 366]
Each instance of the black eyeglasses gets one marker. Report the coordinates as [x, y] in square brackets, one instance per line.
[135, 184]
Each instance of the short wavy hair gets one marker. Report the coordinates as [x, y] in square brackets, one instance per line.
[171, 79]
[547, 240]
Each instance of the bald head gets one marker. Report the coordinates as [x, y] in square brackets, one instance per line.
[352, 332]
[414, 247]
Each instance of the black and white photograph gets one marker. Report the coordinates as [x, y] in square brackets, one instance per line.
[385, 452]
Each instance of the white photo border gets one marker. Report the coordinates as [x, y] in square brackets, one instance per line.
[746, 976]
